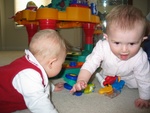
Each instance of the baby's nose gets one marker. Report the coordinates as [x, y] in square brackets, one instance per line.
[124, 48]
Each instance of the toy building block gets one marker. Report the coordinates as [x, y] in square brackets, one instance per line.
[112, 86]
[71, 80]
[89, 89]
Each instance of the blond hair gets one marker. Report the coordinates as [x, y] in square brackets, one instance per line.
[47, 43]
[125, 17]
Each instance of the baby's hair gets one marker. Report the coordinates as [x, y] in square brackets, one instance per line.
[125, 17]
[47, 43]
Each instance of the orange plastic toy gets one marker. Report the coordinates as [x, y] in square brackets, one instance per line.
[52, 18]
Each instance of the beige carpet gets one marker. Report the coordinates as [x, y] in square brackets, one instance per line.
[87, 103]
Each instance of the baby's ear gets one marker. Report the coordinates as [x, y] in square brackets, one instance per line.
[145, 37]
[105, 36]
[51, 62]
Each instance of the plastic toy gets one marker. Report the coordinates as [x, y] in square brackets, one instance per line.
[60, 4]
[93, 6]
[71, 80]
[76, 13]
[89, 89]
[82, 3]
[52, 18]
[109, 80]
[94, 9]
[106, 90]
[70, 66]
[113, 86]
[31, 29]
[118, 85]
[31, 6]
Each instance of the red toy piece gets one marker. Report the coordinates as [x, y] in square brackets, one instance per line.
[109, 80]
[31, 30]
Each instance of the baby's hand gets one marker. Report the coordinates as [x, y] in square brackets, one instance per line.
[140, 103]
[59, 86]
[79, 86]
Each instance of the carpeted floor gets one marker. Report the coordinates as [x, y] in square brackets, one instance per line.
[87, 103]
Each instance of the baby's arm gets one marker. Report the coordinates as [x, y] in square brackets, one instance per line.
[35, 95]
[143, 82]
[57, 87]
[140, 103]
[82, 81]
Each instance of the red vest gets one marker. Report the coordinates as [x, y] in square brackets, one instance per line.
[10, 99]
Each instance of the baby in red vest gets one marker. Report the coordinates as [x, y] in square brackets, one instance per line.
[24, 85]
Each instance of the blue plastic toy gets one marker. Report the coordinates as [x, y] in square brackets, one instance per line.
[71, 80]
[79, 2]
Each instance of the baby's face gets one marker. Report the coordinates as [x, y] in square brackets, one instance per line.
[125, 43]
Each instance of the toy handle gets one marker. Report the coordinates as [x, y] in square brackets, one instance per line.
[100, 79]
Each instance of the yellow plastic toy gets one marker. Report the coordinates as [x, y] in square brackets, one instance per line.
[106, 90]
[89, 89]
[75, 14]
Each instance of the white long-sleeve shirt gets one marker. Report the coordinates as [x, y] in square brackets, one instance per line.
[28, 83]
[135, 71]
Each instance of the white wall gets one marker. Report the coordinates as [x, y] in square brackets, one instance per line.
[13, 39]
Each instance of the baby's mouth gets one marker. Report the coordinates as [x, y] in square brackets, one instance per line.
[124, 57]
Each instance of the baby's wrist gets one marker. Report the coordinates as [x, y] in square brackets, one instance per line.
[82, 81]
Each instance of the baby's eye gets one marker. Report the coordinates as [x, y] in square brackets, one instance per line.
[132, 44]
[116, 43]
